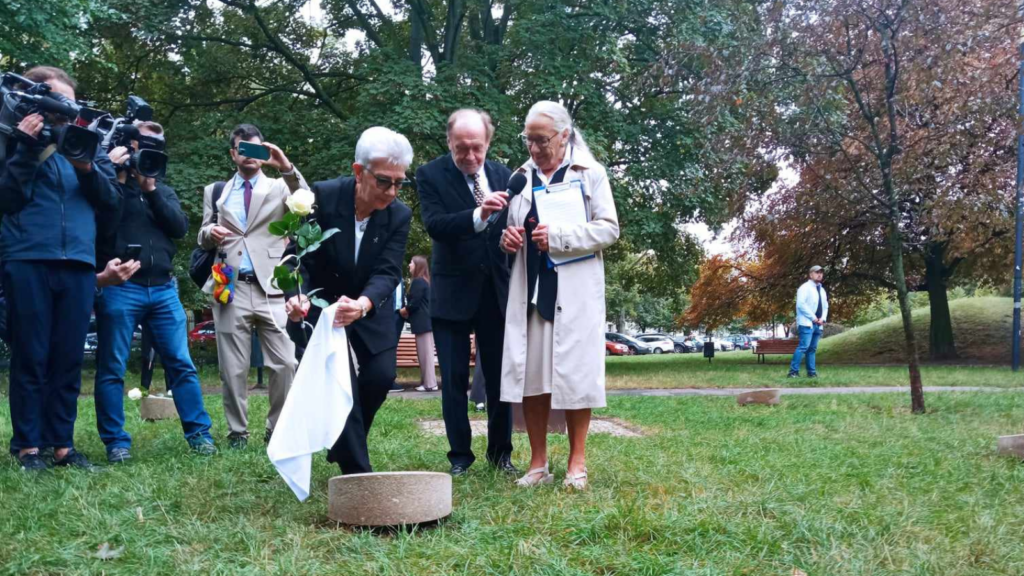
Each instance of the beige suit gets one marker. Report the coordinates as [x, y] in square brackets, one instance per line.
[577, 358]
[257, 305]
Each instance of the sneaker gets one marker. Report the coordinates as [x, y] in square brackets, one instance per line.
[793, 375]
[32, 462]
[815, 375]
[204, 447]
[118, 455]
[75, 459]
[267, 435]
[395, 387]
[480, 406]
[238, 442]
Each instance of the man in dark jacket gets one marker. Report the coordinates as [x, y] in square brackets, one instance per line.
[458, 194]
[50, 206]
[150, 217]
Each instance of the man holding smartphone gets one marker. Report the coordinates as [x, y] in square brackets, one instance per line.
[150, 220]
[239, 229]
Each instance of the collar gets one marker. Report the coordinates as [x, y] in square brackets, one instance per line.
[252, 181]
[577, 160]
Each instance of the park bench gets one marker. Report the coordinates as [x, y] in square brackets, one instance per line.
[775, 346]
[407, 351]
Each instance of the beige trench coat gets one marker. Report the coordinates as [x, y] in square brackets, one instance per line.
[579, 332]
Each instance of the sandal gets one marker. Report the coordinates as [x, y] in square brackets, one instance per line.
[536, 477]
[425, 389]
[577, 481]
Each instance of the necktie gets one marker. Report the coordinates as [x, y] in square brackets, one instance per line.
[247, 186]
[817, 313]
[478, 192]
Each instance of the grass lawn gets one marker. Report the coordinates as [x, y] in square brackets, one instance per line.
[829, 485]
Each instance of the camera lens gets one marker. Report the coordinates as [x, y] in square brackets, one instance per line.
[77, 143]
[150, 163]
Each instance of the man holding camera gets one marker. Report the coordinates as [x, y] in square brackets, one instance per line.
[239, 230]
[48, 236]
[149, 222]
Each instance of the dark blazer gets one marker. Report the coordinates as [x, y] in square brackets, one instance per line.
[462, 258]
[333, 266]
[418, 305]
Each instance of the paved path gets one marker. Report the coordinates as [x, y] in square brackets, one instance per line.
[734, 391]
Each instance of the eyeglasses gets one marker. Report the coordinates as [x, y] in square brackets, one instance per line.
[538, 141]
[385, 184]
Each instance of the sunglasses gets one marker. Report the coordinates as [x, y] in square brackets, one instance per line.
[385, 184]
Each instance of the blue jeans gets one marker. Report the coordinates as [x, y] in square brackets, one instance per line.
[809, 336]
[119, 309]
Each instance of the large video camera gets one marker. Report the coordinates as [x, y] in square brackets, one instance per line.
[21, 97]
[149, 160]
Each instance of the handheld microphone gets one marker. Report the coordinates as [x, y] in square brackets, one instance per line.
[515, 187]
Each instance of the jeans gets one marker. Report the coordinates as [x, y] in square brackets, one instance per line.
[119, 309]
[809, 336]
[48, 304]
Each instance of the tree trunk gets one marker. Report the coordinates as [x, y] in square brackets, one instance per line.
[903, 295]
[940, 335]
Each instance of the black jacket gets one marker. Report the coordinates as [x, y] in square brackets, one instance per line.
[462, 259]
[418, 306]
[333, 267]
[153, 220]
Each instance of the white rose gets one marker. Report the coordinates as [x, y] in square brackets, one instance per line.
[135, 394]
[300, 202]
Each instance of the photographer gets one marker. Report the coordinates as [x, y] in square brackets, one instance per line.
[150, 218]
[48, 249]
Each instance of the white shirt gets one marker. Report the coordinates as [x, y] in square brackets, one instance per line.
[479, 224]
[360, 230]
[807, 303]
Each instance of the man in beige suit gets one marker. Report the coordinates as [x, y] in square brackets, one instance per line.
[247, 204]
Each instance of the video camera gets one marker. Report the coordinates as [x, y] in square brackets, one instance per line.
[21, 97]
[149, 160]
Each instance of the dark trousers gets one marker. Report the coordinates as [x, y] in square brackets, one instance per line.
[369, 390]
[48, 308]
[452, 341]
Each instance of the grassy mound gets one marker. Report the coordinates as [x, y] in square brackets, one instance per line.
[981, 330]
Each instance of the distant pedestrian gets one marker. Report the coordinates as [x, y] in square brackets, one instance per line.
[811, 313]
[417, 311]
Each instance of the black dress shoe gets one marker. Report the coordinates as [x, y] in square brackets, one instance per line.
[505, 466]
[458, 470]
[238, 442]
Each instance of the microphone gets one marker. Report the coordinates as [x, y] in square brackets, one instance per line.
[515, 187]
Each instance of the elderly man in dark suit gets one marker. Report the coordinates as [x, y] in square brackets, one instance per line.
[360, 267]
[459, 192]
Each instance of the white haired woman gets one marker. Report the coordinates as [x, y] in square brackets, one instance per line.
[360, 267]
[554, 329]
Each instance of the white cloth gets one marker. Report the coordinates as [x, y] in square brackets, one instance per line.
[317, 406]
[807, 303]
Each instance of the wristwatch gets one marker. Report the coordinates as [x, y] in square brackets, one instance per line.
[363, 309]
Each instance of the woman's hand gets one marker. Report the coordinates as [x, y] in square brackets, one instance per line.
[296, 308]
[512, 239]
[540, 237]
[349, 310]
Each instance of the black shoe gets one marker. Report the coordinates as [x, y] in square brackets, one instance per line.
[396, 388]
[267, 435]
[793, 375]
[33, 462]
[204, 447]
[459, 470]
[238, 442]
[815, 375]
[118, 455]
[76, 459]
[505, 466]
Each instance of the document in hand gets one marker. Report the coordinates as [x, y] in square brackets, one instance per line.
[563, 205]
[317, 406]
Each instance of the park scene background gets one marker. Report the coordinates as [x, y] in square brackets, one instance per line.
[746, 140]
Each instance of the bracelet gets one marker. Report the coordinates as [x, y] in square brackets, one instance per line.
[362, 307]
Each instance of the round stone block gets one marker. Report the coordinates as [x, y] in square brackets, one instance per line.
[389, 498]
[1011, 445]
[768, 396]
[157, 408]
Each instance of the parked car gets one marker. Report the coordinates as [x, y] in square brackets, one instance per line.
[741, 342]
[615, 349]
[635, 346]
[659, 343]
[203, 332]
[724, 345]
[680, 344]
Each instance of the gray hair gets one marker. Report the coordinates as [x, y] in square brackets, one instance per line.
[380, 143]
[560, 116]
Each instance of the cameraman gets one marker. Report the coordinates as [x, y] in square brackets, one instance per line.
[151, 217]
[48, 248]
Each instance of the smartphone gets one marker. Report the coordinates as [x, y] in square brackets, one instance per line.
[132, 252]
[257, 151]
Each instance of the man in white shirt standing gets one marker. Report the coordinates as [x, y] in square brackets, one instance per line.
[811, 313]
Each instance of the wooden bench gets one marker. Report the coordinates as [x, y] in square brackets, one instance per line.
[407, 351]
[775, 346]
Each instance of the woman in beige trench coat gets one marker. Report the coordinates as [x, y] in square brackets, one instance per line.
[555, 323]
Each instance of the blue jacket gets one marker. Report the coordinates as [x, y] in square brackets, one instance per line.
[50, 210]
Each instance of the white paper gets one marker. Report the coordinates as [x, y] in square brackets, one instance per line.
[562, 205]
[316, 408]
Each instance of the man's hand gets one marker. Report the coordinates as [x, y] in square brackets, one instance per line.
[540, 237]
[119, 155]
[512, 239]
[297, 307]
[350, 310]
[219, 234]
[278, 160]
[117, 273]
[31, 125]
[147, 184]
[493, 202]
[404, 313]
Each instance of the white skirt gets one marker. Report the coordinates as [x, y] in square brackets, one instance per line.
[540, 351]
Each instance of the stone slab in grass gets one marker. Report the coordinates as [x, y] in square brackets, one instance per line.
[389, 498]
[157, 408]
[1011, 445]
[612, 426]
[768, 397]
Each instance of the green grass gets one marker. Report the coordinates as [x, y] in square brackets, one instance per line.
[829, 485]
